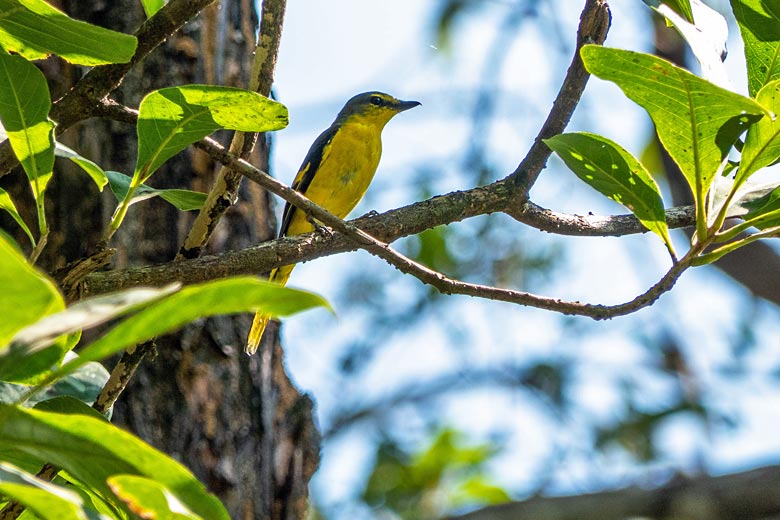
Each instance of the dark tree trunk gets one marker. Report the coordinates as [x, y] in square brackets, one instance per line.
[236, 422]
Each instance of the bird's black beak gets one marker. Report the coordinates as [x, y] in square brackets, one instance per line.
[406, 105]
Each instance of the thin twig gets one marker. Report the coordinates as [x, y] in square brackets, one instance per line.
[121, 374]
[594, 25]
[224, 191]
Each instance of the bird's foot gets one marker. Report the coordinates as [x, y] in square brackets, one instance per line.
[322, 229]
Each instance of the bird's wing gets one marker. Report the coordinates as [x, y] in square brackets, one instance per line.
[317, 154]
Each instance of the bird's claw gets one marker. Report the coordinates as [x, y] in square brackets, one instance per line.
[322, 229]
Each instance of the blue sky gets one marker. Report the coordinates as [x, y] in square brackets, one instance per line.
[332, 50]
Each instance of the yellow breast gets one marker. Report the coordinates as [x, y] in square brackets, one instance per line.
[347, 168]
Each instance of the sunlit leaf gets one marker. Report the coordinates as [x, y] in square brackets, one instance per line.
[91, 450]
[149, 499]
[24, 111]
[7, 204]
[759, 24]
[46, 500]
[88, 313]
[152, 6]
[762, 144]
[226, 296]
[696, 121]
[35, 29]
[170, 119]
[25, 294]
[613, 171]
[185, 200]
[94, 171]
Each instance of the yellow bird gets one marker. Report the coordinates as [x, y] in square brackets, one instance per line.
[336, 173]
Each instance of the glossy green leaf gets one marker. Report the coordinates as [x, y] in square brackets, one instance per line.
[68, 405]
[35, 29]
[226, 296]
[762, 143]
[170, 119]
[613, 171]
[697, 122]
[184, 200]
[759, 24]
[25, 294]
[149, 499]
[152, 6]
[92, 450]
[24, 111]
[94, 171]
[46, 500]
[7, 204]
[86, 314]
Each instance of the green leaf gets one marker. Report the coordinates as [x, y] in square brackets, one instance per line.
[86, 314]
[35, 29]
[613, 171]
[46, 500]
[95, 172]
[759, 23]
[697, 122]
[92, 450]
[681, 7]
[763, 211]
[226, 296]
[83, 384]
[25, 294]
[184, 200]
[7, 204]
[762, 144]
[24, 111]
[152, 6]
[29, 356]
[68, 405]
[149, 499]
[170, 119]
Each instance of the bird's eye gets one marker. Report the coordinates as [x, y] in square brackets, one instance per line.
[376, 100]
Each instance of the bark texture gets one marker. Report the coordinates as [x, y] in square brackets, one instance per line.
[238, 423]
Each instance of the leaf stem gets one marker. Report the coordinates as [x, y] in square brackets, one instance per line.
[120, 212]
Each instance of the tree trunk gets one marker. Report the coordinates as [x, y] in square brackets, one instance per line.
[236, 422]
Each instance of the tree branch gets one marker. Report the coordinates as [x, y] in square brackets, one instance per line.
[594, 25]
[224, 191]
[477, 201]
[751, 495]
[594, 225]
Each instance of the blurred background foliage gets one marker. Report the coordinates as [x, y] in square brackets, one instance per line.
[436, 404]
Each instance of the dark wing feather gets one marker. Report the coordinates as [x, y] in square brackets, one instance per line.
[307, 172]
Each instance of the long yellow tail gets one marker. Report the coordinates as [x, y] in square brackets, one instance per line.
[280, 276]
